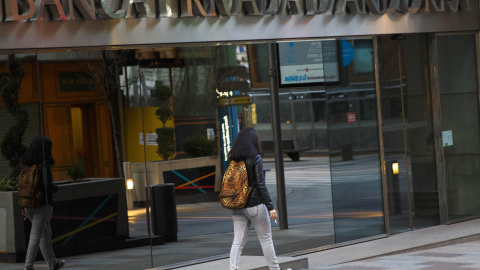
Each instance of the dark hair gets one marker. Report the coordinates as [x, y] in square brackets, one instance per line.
[40, 150]
[246, 145]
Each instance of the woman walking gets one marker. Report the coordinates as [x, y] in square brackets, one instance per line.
[40, 153]
[259, 207]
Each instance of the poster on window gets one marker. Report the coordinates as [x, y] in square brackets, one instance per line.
[447, 137]
[308, 62]
[151, 139]
[351, 117]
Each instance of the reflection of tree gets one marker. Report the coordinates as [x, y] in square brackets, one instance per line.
[11, 145]
[165, 135]
[195, 84]
[194, 89]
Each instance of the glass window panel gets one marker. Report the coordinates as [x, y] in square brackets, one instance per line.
[354, 147]
[78, 96]
[193, 94]
[412, 193]
[457, 72]
[258, 62]
[302, 120]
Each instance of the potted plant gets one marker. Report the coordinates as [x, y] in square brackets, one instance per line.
[11, 145]
[165, 135]
[13, 242]
[77, 172]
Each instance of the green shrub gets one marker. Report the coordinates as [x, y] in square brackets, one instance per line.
[165, 135]
[11, 145]
[9, 183]
[162, 92]
[164, 114]
[199, 146]
[77, 172]
[166, 142]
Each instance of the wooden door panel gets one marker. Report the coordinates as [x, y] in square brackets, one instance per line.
[96, 171]
[104, 133]
[92, 135]
[104, 139]
[107, 171]
[58, 128]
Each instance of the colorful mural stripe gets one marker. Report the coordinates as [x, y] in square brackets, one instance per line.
[83, 228]
[198, 179]
[91, 216]
[186, 179]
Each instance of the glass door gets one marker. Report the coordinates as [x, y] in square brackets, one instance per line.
[460, 123]
[412, 191]
[355, 161]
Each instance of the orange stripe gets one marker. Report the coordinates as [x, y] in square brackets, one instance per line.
[84, 227]
[198, 179]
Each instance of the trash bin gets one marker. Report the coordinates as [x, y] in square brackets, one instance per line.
[164, 211]
[347, 151]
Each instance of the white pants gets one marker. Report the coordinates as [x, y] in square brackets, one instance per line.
[40, 236]
[259, 217]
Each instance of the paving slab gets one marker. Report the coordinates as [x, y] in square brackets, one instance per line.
[427, 238]
[461, 256]
[248, 262]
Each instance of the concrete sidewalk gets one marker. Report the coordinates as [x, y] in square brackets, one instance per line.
[424, 239]
[440, 241]
[445, 245]
[461, 256]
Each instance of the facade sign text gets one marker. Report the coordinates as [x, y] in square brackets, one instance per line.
[40, 10]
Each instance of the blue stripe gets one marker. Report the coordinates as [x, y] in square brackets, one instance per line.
[86, 220]
[186, 179]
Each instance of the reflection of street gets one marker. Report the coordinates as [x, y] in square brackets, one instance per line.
[310, 171]
[308, 199]
[357, 197]
[309, 208]
[307, 186]
[308, 193]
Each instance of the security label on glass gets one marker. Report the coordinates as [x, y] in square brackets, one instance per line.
[447, 137]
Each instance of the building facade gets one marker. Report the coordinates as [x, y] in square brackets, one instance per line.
[386, 91]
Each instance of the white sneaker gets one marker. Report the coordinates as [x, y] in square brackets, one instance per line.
[59, 265]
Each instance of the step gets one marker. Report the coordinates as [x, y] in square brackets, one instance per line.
[247, 262]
